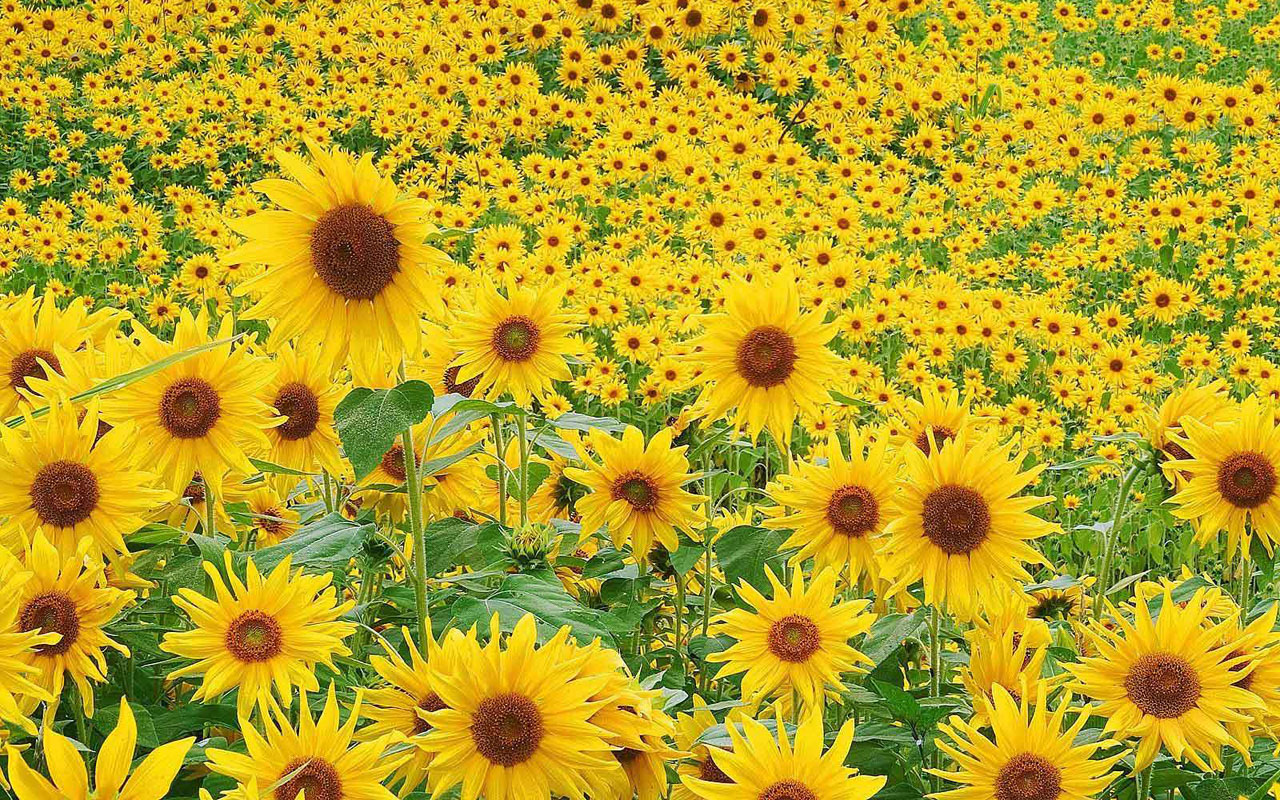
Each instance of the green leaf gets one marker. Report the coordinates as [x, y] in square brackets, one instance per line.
[686, 557]
[889, 633]
[369, 420]
[898, 702]
[276, 469]
[109, 714]
[574, 421]
[454, 542]
[155, 533]
[745, 550]
[326, 545]
[551, 606]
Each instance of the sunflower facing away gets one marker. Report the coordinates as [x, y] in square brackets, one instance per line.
[958, 525]
[1171, 682]
[635, 490]
[764, 357]
[798, 641]
[259, 633]
[347, 263]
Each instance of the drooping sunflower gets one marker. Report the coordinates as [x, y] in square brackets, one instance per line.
[940, 415]
[204, 414]
[17, 672]
[68, 597]
[515, 343]
[762, 765]
[515, 722]
[1232, 476]
[1208, 402]
[837, 510]
[1031, 753]
[260, 633]
[320, 757]
[302, 392]
[150, 780]
[1171, 682]
[797, 641]
[636, 490]
[1006, 652]
[765, 358]
[63, 478]
[958, 525]
[346, 255]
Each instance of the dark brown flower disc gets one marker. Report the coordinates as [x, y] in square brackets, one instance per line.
[254, 636]
[1027, 776]
[301, 409]
[941, 435]
[27, 365]
[766, 356]
[1246, 480]
[52, 612]
[1163, 685]
[639, 490]
[317, 777]
[354, 251]
[189, 408]
[64, 493]
[507, 728]
[853, 511]
[431, 702]
[794, 638]
[956, 519]
[788, 790]
[451, 385]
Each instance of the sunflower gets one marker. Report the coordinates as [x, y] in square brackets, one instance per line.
[635, 489]
[765, 358]
[1232, 474]
[1257, 646]
[319, 758]
[1008, 653]
[762, 766]
[347, 263]
[557, 496]
[302, 392]
[150, 780]
[201, 415]
[61, 477]
[1171, 682]
[437, 367]
[17, 671]
[690, 729]
[957, 525]
[837, 510]
[515, 722]
[270, 518]
[940, 415]
[1031, 753]
[259, 633]
[515, 343]
[450, 474]
[797, 641]
[1208, 403]
[67, 597]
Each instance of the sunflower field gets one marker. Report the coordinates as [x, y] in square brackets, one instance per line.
[639, 399]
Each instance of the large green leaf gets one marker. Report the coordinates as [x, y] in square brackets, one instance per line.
[889, 633]
[326, 545]
[454, 542]
[551, 606]
[369, 420]
[744, 552]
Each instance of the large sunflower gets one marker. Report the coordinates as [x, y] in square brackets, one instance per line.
[204, 414]
[61, 477]
[836, 510]
[636, 490]
[958, 526]
[260, 633]
[763, 766]
[515, 343]
[1170, 682]
[798, 641]
[765, 358]
[1208, 403]
[319, 758]
[515, 721]
[1232, 474]
[1031, 753]
[347, 263]
[302, 392]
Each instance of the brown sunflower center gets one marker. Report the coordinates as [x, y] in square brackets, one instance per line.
[1027, 776]
[788, 790]
[1245, 681]
[354, 251]
[189, 408]
[194, 493]
[853, 511]
[27, 365]
[52, 612]
[64, 493]
[941, 435]
[451, 385]
[1177, 451]
[516, 338]
[1246, 480]
[956, 519]
[317, 777]
[393, 463]
[431, 702]
[1163, 685]
[766, 356]
[710, 771]
[794, 638]
[301, 409]
[507, 729]
[254, 636]
[639, 490]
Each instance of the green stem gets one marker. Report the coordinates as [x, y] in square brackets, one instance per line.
[1245, 589]
[502, 469]
[1111, 537]
[935, 652]
[328, 493]
[413, 487]
[1142, 783]
[210, 512]
[524, 471]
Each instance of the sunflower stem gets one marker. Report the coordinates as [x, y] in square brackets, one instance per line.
[328, 493]
[210, 512]
[1110, 537]
[413, 487]
[1245, 588]
[935, 680]
[1142, 783]
[524, 470]
[502, 469]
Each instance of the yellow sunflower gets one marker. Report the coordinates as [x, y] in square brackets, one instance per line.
[1170, 682]
[270, 518]
[303, 393]
[635, 490]
[1008, 653]
[61, 477]
[958, 526]
[1231, 477]
[346, 255]
[765, 358]
[837, 510]
[797, 641]
[260, 633]
[688, 735]
[1255, 651]
[1207, 403]
[17, 672]
[515, 343]
[942, 415]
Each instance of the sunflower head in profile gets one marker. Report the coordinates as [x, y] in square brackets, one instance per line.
[346, 257]
[765, 358]
[1232, 477]
[1172, 681]
[797, 642]
[958, 524]
[259, 633]
[635, 490]
[1208, 403]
